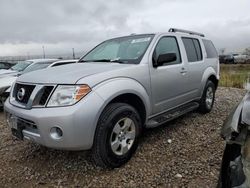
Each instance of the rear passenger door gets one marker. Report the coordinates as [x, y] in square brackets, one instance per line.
[195, 65]
[168, 81]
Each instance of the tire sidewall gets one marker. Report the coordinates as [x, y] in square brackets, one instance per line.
[120, 113]
[203, 105]
[208, 85]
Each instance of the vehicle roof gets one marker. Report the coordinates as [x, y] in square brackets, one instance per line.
[42, 60]
[180, 34]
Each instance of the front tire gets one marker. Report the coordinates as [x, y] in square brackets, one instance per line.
[117, 134]
[207, 100]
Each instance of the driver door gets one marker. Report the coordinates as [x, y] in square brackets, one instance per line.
[168, 81]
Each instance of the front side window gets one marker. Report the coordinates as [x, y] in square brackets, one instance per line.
[167, 45]
[128, 49]
[193, 49]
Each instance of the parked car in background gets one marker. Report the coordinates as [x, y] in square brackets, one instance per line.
[37, 64]
[229, 59]
[43, 63]
[235, 168]
[222, 59]
[14, 70]
[234, 58]
[118, 89]
[6, 65]
[239, 58]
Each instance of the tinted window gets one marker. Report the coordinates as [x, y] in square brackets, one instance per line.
[198, 49]
[167, 45]
[193, 49]
[210, 49]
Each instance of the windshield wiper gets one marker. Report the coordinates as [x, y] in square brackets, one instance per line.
[103, 60]
[117, 61]
[82, 61]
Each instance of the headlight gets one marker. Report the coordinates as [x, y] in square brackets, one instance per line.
[66, 95]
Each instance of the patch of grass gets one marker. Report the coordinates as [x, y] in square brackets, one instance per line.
[234, 75]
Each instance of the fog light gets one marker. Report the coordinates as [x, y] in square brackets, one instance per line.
[56, 133]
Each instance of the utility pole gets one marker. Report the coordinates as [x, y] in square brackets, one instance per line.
[73, 50]
[43, 53]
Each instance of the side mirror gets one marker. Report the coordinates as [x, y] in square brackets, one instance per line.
[166, 58]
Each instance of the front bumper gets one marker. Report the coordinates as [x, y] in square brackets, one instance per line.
[77, 122]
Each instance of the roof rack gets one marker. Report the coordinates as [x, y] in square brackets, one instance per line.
[173, 30]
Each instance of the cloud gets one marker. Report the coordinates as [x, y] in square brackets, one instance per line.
[26, 25]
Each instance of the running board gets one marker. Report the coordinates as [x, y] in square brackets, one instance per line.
[172, 114]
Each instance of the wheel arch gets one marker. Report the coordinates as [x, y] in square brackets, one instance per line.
[133, 100]
[127, 91]
[213, 79]
[209, 74]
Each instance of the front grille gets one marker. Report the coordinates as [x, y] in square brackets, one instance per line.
[46, 93]
[26, 123]
[22, 95]
[28, 89]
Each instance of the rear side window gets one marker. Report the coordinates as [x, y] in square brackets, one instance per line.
[193, 49]
[210, 49]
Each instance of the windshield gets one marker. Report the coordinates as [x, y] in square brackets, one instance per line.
[36, 66]
[123, 50]
[20, 66]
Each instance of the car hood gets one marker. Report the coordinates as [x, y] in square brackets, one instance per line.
[69, 74]
[8, 72]
[6, 82]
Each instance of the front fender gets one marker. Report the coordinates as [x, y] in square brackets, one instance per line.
[112, 88]
[231, 124]
[6, 83]
[237, 116]
[245, 117]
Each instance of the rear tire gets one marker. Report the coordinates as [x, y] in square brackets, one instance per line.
[207, 100]
[116, 137]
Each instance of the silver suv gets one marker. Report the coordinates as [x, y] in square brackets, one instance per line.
[116, 90]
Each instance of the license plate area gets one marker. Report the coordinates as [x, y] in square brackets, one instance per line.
[15, 125]
[17, 133]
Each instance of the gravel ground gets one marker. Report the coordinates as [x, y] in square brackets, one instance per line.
[183, 153]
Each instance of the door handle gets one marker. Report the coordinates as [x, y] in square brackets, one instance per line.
[183, 70]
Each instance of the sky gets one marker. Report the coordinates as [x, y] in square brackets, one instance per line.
[60, 25]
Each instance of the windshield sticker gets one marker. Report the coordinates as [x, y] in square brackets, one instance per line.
[140, 40]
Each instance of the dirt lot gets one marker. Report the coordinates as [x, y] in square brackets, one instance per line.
[194, 154]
